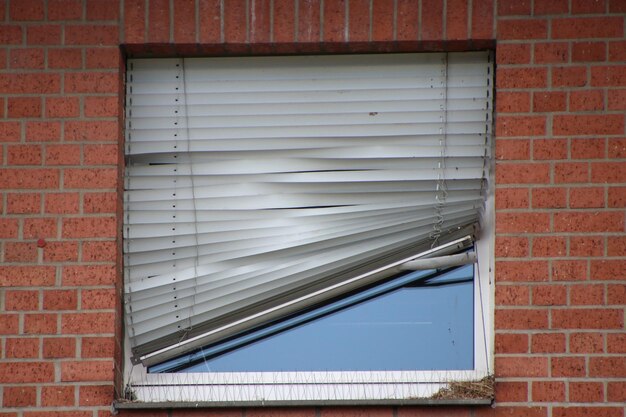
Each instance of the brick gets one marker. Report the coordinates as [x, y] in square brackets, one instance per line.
[608, 124]
[184, 13]
[66, 107]
[617, 197]
[90, 178]
[101, 154]
[616, 294]
[522, 29]
[91, 82]
[522, 366]
[514, 126]
[100, 251]
[586, 392]
[521, 78]
[103, 58]
[586, 343]
[608, 172]
[608, 76]
[587, 294]
[98, 347]
[135, 22]
[359, 21]
[617, 148]
[22, 348]
[334, 15]
[588, 6]
[616, 342]
[482, 20]
[101, 35]
[522, 271]
[456, 19]
[309, 20]
[8, 228]
[514, 7]
[92, 131]
[511, 247]
[571, 172]
[587, 411]
[551, 53]
[60, 299]
[548, 391]
[510, 198]
[59, 347]
[40, 324]
[569, 270]
[87, 323]
[20, 107]
[234, 31]
[100, 202]
[89, 227]
[29, 58]
[588, 148]
[607, 367]
[382, 20]
[65, 58]
[99, 10]
[61, 252]
[9, 324]
[26, 10]
[589, 27]
[521, 319]
[43, 131]
[284, 22]
[567, 366]
[522, 173]
[78, 371]
[23, 203]
[576, 318]
[549, 246]
[511, 391]
[608, 269]
[24, 155]
[26, 276]
[616, 246]
[10, 131]
[65, 9]
[586, 197]
[43, 35]
[511, 295]
[549, 149]
[20, 252]
[86, 275]
[549, 101]
[549, 295]
[513, 53]
[25, 372]
[30, 83]
[513, 149]
[94, 395]
[549, 197]
[20, 396]
[522, 222]
[512, 102]
[586, 246]
[511, 343]
[547, 343]
[569, 76]
[63, 155]
[38, 228]
[57, 396]
[546, 7]
[10, 34]
[21, 300]
[586, 100]
[159, 21]
[617, 51]
[101, 106]
[589, 52]
[616, 391]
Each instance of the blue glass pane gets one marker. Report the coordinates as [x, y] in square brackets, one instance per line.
[423, 326]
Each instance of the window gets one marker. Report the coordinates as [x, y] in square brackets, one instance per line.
[266, 192]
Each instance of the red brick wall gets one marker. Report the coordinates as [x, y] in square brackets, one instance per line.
[560, 342]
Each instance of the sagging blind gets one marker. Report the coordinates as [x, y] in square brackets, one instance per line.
[253, 181]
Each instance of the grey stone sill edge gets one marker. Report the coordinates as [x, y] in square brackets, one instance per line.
[127, 405]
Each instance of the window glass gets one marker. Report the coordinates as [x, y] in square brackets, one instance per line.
[419, 321]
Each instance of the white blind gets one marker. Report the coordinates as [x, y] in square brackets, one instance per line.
[253, 181]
